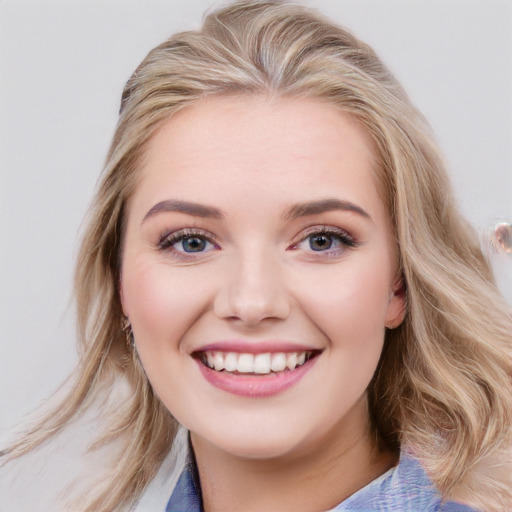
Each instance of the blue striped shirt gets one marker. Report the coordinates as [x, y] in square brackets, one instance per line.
[404, 488]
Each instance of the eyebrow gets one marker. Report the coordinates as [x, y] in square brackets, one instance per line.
[296, 211]
[194, 209]
[322, 206]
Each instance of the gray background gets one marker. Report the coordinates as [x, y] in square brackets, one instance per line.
[62, 68]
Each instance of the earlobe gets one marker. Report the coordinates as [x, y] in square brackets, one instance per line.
[395, 313]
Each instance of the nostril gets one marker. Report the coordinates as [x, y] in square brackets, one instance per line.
[250, 306]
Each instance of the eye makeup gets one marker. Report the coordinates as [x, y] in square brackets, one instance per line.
[319, 241]
[323, 241]
[186, 243]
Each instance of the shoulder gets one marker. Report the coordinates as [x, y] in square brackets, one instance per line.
[406, 487]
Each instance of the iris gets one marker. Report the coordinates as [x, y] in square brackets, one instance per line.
[320, 242]
[193, 244]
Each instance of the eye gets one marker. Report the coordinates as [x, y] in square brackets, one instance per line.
[330, 240]
[187, 242]
[321, 242]
[192, 244]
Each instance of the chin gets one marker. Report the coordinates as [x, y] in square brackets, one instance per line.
[250, 444]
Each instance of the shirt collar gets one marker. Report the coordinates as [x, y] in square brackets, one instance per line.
[404, 487]
[186, 496]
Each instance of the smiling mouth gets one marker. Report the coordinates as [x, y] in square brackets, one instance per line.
[267, 363]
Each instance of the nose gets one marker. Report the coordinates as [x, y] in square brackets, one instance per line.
[253, 290]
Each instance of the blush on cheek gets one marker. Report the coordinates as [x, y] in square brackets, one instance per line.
[161, 304]
[357, 302]
[146, 298]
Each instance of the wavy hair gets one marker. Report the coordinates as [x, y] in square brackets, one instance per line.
[443, 386]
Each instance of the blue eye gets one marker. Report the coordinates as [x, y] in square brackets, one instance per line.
[186, 242]
[321, 242]
[326, 240]
[192, 244]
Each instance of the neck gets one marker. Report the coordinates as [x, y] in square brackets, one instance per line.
[316, 478]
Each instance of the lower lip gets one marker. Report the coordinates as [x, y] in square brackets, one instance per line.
[255, 386]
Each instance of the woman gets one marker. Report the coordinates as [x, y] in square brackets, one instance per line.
[274, 262]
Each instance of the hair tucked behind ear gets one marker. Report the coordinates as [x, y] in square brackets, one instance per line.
[443, 386]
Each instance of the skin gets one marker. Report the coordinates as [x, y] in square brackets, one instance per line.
[258, 279]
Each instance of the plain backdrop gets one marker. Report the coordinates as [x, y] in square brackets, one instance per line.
[62, 68]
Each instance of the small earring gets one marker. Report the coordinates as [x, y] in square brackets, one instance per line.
[126, 326]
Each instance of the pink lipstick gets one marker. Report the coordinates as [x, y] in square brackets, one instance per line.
[254, 370]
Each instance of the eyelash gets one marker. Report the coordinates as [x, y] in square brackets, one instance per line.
[169, 239]
[344, 238]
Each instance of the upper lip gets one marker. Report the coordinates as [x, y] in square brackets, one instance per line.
[255, 347]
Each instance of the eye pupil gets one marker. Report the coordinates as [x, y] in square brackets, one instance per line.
[320, 242]
[193, 244]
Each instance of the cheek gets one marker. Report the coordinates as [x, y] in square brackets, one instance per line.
[160, 302]
[352, 302]
[162, 305]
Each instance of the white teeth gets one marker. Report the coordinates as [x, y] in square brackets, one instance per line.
[261, 364]
[218, 361]
[231, 362]
[278, 363]
[291, 360]
[245, 363]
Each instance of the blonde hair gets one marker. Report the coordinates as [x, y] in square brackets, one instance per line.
[443, 386]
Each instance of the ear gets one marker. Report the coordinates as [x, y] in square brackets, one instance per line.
[395, 313]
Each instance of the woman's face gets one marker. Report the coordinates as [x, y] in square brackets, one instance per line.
[259, 273]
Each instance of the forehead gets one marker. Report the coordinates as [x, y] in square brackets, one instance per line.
[280, 147]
